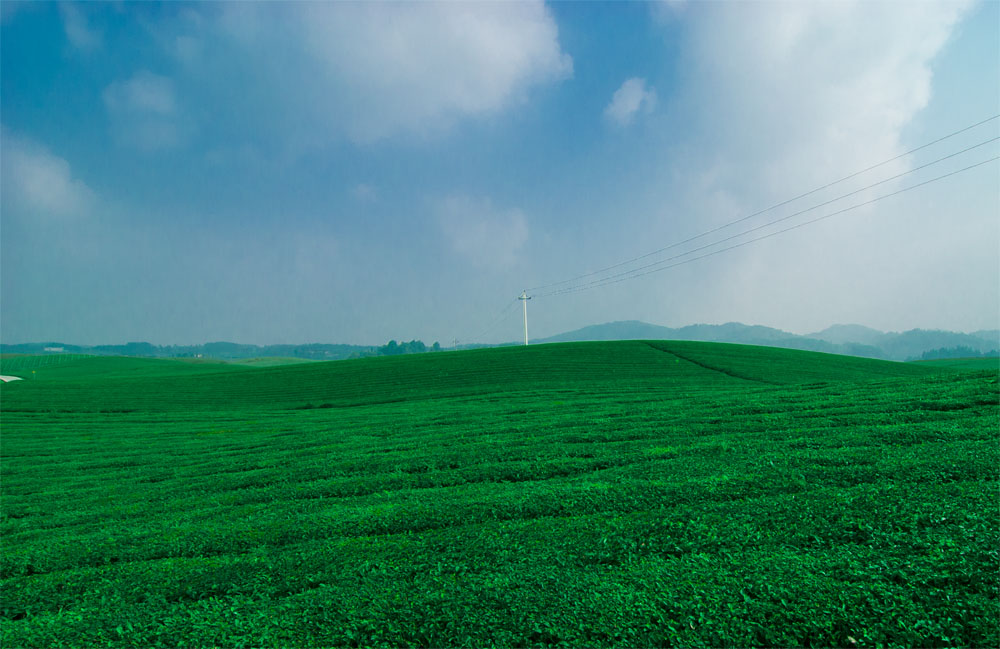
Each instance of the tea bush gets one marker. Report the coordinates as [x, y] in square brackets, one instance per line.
[592, 495]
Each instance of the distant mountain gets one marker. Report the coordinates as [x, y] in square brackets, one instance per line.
[850, 340]
[624, 330]
[993, 335]
[731, 332]
[635, 330]
[840, 334]
[913, 343]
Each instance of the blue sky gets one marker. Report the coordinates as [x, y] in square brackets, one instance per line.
[294, 172]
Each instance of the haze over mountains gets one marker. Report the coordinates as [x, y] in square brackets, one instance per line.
[851, 340]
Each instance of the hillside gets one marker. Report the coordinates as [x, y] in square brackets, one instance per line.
[841, 334]
[76, 367]
[151, 384]
[851, 340]
[646, 493]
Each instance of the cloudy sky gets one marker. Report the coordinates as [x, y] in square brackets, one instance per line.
[284, 173]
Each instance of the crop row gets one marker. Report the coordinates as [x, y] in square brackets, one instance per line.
[608, 367]
[714, 512]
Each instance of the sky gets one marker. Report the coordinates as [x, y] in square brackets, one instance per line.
[353, 173]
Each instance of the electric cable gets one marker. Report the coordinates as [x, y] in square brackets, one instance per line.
[767, 209]
[784, 218]
[609, 281]
[493, 323]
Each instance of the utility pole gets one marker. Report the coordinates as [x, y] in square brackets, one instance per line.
[524, 302]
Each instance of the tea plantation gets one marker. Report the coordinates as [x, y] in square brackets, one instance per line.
[632, 494]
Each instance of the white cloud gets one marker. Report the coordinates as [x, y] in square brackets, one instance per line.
[822, 87]
[38, 182]
[629, 99]
[77, 29]
[785, 97]
[145, 92]
[181, 34]
[375, 70]
[143, 110]
[485, 235]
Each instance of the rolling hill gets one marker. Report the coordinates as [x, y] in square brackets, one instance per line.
[638, 493]
[158, 384]
[852, 340]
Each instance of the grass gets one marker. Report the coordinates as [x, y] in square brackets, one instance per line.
[585, 494]
[25, 363]
[987, 363]
[271, 361]
[80, 368]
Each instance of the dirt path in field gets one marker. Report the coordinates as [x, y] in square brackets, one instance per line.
[709, 367]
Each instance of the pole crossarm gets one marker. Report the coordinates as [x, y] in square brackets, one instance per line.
[524, 303]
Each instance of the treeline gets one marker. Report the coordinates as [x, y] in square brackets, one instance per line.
[392, 348]
[227, 350]
[957, 352]
[217, 350]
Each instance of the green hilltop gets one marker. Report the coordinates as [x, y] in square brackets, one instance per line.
[639, 493]
[160, 384]
[852, 340]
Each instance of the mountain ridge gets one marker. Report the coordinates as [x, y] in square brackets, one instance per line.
[848, 340]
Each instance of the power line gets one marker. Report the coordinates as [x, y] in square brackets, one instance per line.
[609, 281]
[768, 209]
[775, 221]
[658, 266]
[492, 325]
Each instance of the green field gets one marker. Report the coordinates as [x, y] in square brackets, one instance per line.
[584, 495]
[987, 363]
